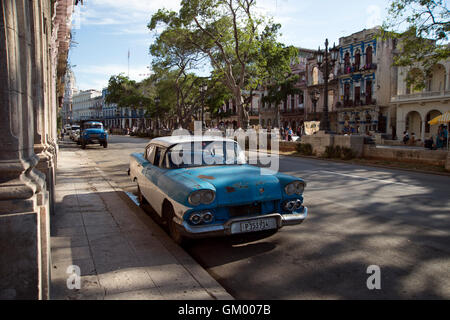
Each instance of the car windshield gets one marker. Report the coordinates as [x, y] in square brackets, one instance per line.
[93, 125]
[205, 153]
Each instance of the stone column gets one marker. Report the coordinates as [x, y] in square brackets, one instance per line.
[422, 132]
[23, 195]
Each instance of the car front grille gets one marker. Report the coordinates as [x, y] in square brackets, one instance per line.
[245, 210]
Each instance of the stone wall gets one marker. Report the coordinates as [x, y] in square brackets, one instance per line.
[433, 157]
[321, 140]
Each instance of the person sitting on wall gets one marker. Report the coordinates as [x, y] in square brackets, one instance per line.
[412, 140]
[428, 143]
[405, 137]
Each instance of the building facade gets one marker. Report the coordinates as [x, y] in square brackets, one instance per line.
[415, 108]
[87, 105]
[70, 89]
[34, 44]
[367, 80]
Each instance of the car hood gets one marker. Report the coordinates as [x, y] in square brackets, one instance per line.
[236, 184]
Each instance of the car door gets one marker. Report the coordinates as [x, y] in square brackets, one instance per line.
[154, 172]
[145, 181]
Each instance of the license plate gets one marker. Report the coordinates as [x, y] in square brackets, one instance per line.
[254, 225]
[94, 136]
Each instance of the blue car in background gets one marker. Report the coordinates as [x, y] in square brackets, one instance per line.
[93, 132]
[202, 187]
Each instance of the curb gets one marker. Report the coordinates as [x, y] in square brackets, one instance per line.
[371, 165]
[198, 273]
[364, 164]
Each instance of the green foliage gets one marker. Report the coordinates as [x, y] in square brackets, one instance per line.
[424, 42]
[227, 35]
[347, 153]
[305, 149]
[338, 152]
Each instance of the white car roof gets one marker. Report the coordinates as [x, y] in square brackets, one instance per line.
[172, 140]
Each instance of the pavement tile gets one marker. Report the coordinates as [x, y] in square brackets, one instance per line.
[59, 268]
[128, 279]
[68, 254]
[68, 242]
[101, 229]
[147, 294]
[70, 231]
[90, 289]
[92, 219]
[70, 219]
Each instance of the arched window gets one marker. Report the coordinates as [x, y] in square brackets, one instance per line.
[292, 102]
[357, 59]
[315, 75]
[369, 56]
[347, 59]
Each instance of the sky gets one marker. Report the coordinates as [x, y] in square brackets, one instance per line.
[106, 30]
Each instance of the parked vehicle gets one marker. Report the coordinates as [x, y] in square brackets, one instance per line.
[72, 130]
[93, 132]
[77, 137]
[202, 187]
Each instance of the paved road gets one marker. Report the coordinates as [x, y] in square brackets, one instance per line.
[359, 216]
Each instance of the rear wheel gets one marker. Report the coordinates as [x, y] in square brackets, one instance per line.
[83, 145]
[105, 144]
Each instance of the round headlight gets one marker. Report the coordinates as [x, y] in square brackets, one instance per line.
[298, 204]
[299, 187]
[195, 198]
[290, 189]
[296, 187]
[207, 196]
[201, 197]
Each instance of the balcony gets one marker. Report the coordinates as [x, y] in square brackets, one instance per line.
[350, 103]
[353, 69]
[430, 95]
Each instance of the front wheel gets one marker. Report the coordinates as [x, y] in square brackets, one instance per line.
[174, 233]
[141, 197]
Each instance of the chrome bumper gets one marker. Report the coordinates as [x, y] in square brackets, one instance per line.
[224, 229]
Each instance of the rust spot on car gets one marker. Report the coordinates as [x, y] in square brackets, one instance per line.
[230, 189]
[206, 177]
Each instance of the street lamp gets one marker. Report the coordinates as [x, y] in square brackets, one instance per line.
[203, 90]
[314, 95]
[326, 65]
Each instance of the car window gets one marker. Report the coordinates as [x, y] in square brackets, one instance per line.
[158, 155]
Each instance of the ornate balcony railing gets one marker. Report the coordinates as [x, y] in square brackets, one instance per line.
[421, 96]
[356, 68]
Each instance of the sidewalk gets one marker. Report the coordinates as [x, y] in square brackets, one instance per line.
[121, 252]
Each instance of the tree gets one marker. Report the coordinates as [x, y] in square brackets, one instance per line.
[227, 33]
[274, 68]
[424, 42]
[128, 93]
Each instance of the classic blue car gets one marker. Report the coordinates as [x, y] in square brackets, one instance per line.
[93, 132]
[202, 187]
